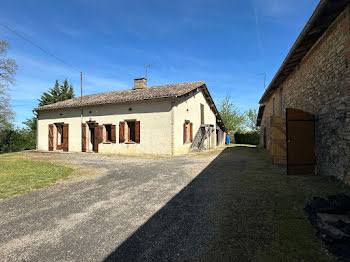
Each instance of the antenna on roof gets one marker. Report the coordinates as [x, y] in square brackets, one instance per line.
[147, 67]
[81, 86]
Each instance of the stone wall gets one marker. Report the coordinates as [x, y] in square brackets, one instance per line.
[321, 85]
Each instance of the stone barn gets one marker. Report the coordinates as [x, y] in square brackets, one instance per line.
[304, 113]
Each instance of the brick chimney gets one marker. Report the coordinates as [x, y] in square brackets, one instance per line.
[140, 83]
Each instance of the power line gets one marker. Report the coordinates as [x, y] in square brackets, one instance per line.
[42, 49]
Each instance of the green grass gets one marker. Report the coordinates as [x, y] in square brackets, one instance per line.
[18, 175]
[241, 145]
[267, 221]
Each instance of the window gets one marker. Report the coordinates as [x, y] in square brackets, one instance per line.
[108, 134]
[187, 132]
[281, 101]
[59, 135]
[202, 114]
[132, 131]
[273, 106]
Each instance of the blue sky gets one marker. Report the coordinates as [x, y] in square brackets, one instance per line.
[224, 43]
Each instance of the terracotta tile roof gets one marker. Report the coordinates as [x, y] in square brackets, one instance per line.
[148, 93]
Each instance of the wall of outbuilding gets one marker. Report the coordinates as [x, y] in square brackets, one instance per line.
[321, 85]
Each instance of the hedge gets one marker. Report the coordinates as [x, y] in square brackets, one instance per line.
[250, 137]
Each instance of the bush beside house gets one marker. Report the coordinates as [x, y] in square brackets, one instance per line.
[248, 137]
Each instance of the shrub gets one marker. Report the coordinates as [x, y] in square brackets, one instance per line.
[250, 137]
[16, 139]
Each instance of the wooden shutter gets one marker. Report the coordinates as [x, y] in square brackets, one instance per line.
[202, 114]
[65, 137]
[83, 137]
[50, 137]
[97, 137]
[191, 134]
[185, 138]
[100, 134]
[137, 132]
[113, 134]
[121, 132]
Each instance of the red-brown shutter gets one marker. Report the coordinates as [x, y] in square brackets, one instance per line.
[185, 133]
[83, 137]
[65, 137]
[191, 134]
[121, 132]
[100, 131]
[113, 134]
[137, 132]
[50, 137]
[97, 137]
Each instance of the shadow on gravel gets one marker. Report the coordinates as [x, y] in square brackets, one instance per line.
[184, 226]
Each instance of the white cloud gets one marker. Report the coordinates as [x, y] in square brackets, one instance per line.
[274, 8]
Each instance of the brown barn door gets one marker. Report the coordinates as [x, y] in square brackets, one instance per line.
[300, 129]
[65, 137]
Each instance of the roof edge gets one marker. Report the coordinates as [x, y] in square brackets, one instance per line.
[318, 12]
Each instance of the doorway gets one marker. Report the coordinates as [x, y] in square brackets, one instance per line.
[300, 135]
[92, 136]
[59, 136]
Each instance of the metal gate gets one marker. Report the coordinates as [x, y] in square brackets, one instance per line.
[300, 135]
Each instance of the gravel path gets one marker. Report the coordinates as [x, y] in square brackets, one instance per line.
[139, 209]
[218, 206]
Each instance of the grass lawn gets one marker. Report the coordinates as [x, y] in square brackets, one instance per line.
[18, 175]
[266, 221]
[241, 145]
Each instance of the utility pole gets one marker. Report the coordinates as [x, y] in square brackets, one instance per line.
[264, 79]
[147, 67]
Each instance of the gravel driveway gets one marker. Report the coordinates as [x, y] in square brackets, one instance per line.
[102, 217]
[218, 206]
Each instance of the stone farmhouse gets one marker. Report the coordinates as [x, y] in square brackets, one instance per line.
[304, 113]
[163, 120]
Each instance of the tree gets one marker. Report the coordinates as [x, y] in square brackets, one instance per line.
[57, 93]
[232, 118]
[8, 68]
[31, 124]
[250, 118]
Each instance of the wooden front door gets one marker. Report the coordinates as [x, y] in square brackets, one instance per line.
[300, 129]
[65, 142]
